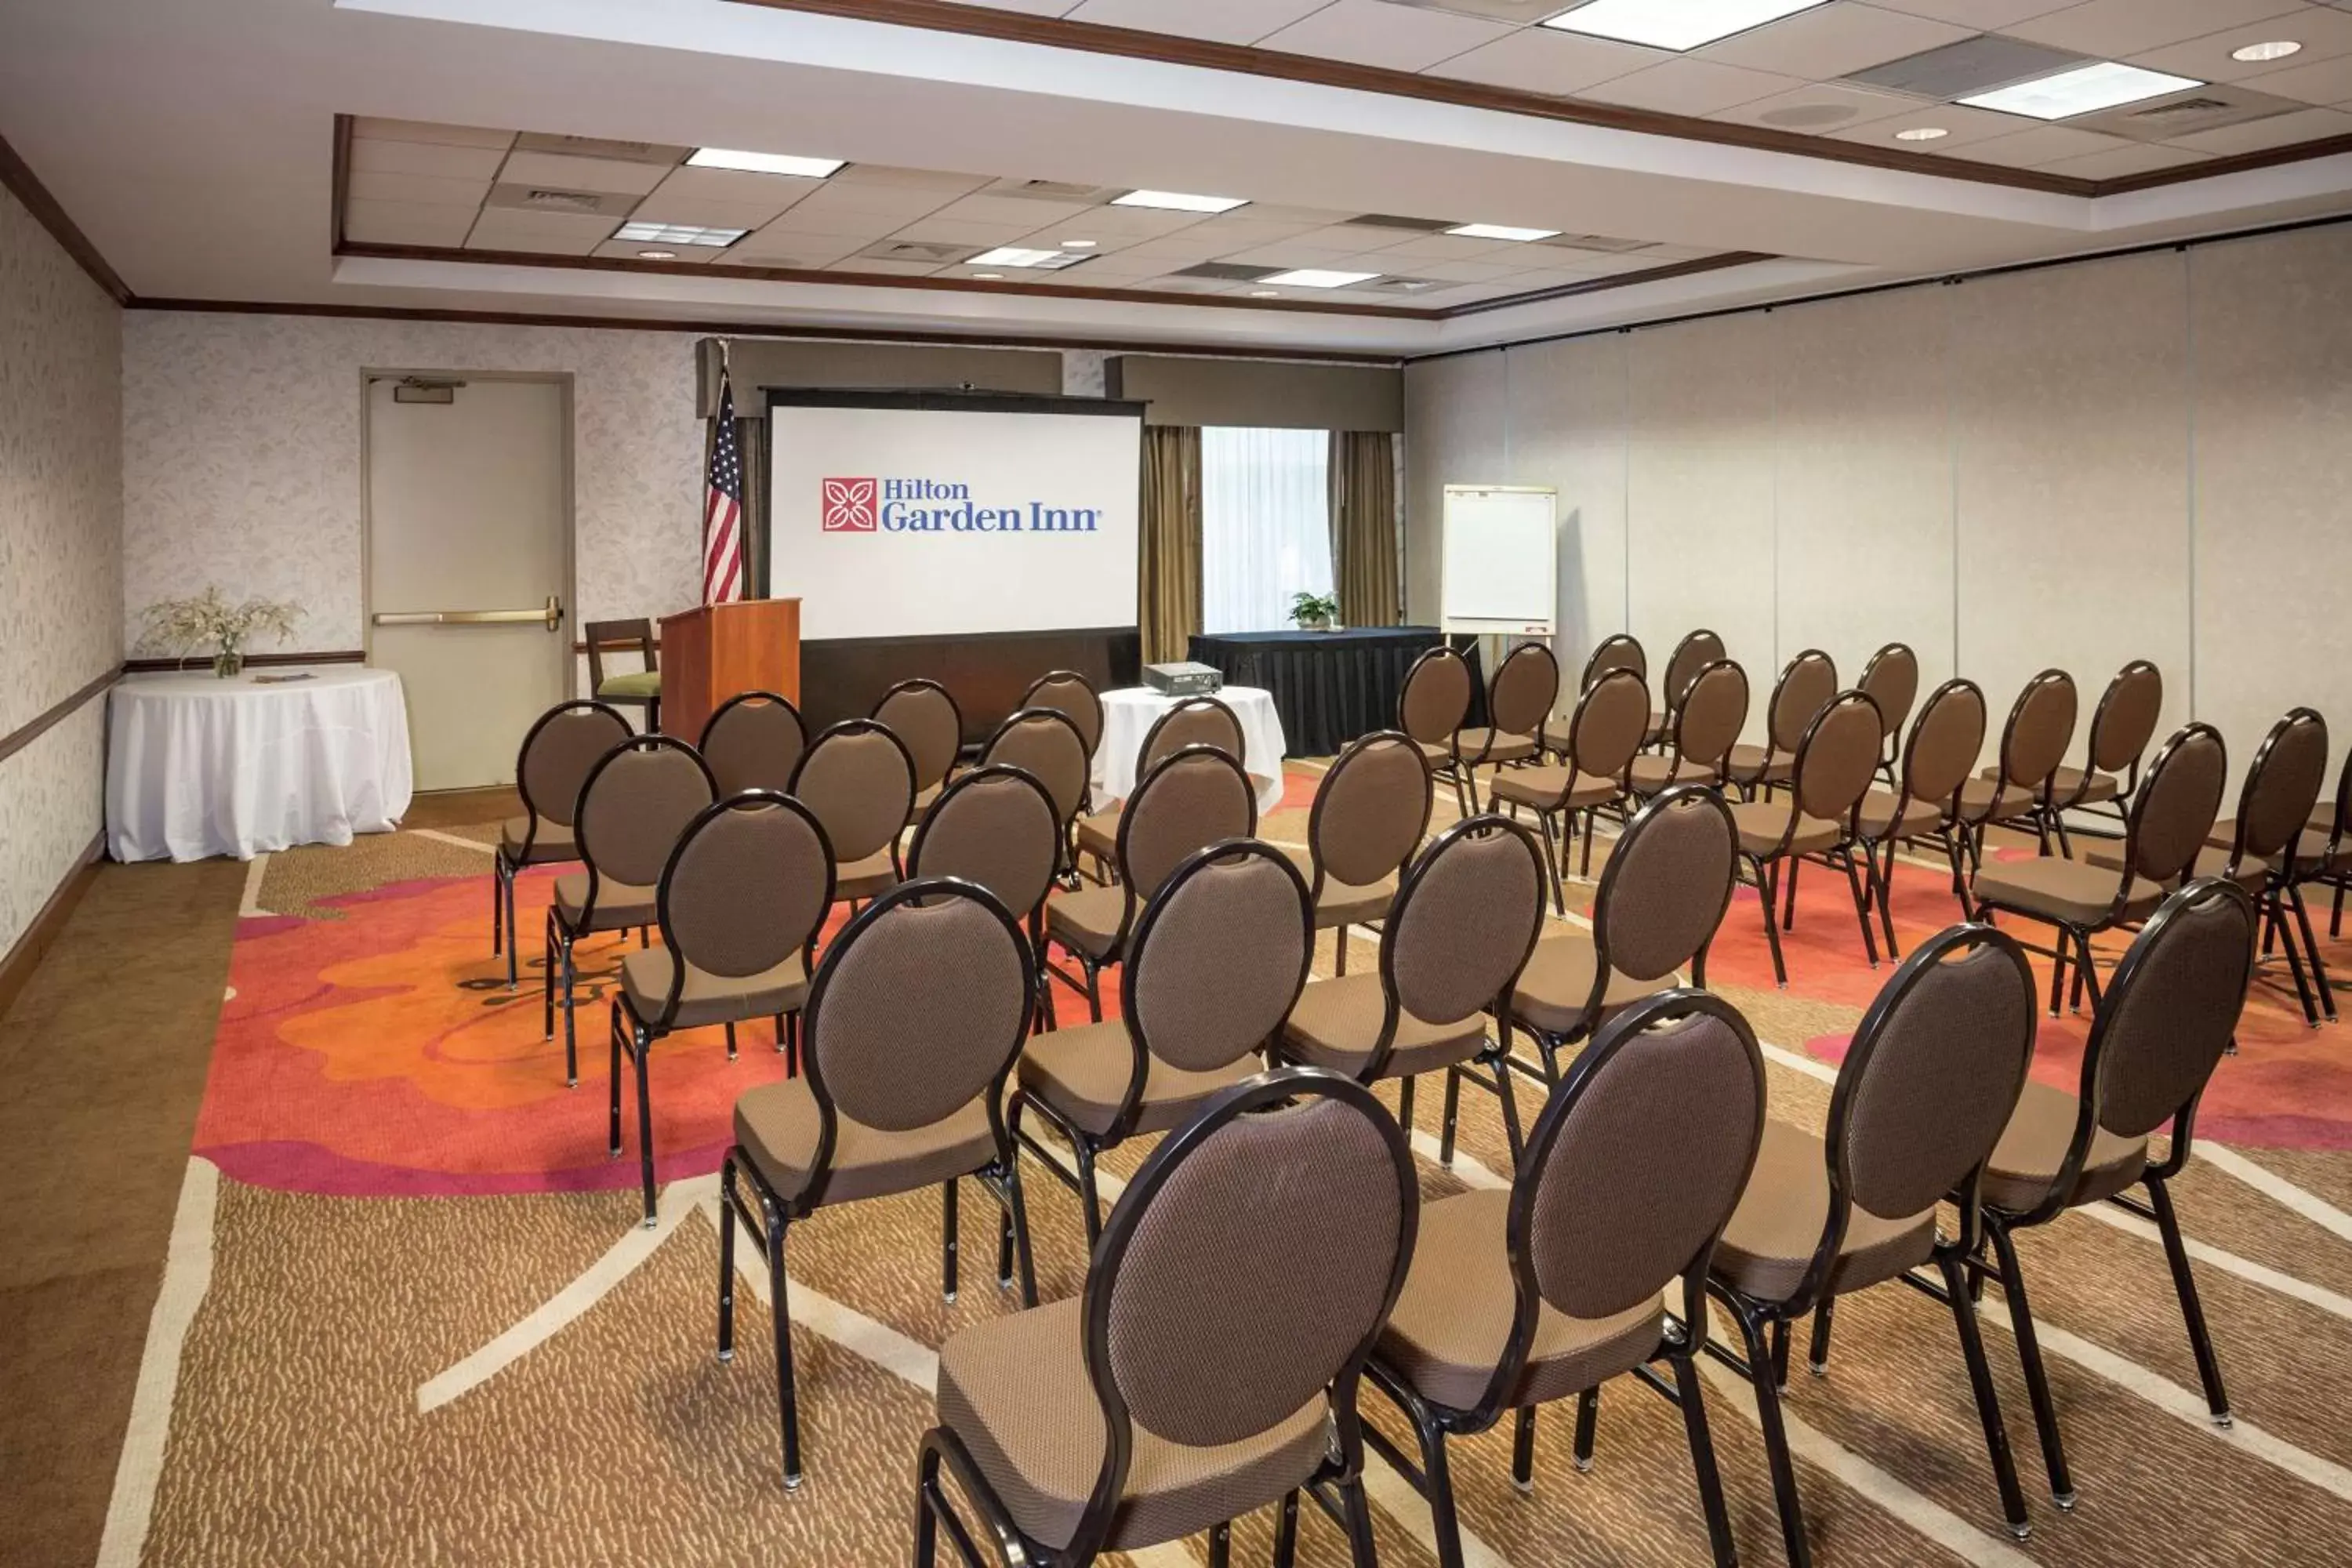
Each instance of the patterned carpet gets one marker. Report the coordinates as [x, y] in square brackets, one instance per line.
[407, 1316]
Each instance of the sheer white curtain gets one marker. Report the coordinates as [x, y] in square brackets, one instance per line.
[1266, 525]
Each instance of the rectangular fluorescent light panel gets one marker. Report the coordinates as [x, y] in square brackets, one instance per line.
[2103, 84]
[1178, 202]
[1013, 255]
[1675, 25]
[764, 163]
[679, 234]
[1316, 277]
[1501, 231]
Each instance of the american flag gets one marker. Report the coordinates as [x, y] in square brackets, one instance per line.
[722, 510]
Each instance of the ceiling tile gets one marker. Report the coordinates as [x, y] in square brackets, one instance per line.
[663, 206]
[1122, 264]
[2261, 135]
[802, 220]
[426, 131]
[1034, 7]
[406, 223]
[1352, 238]
[1831, 40]
[887, 269]
[2322, 81]
[570, 174]
[1817, 109]
[1056, 236]
[1977, 16]
[769, 249]
[2041, 144]
[737, 188]
[951, 231]
[2113, 28]
[1544, 59]
[633, 250]
[1292, 255]
[902, 204]
[439, 160]
[1961, 125]
[1689, 86]
[425, 190]
[1450, 247]
[2324, 33]
[498, 230]
[858, 177]
[1141, 223]
[2133, 158]
[1020, 211]
[1461, 271]
[1401, 37]
[1225, 21]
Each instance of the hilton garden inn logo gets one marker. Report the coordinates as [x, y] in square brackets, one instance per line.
[938, 506]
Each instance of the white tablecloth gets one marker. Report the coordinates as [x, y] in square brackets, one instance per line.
[197, 766]
[1129, 713]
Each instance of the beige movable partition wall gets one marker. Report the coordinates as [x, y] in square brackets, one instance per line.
[1569, 402]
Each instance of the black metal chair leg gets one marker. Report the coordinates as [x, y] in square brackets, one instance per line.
[730, 1042]
[1587, 1423]
[2311, 948]
[2293, 959]
[1551, 861]
[612, 1130]
[1775, 1442]
[1437, 1480]
[1817, 1352]
[1788, 905]
[947, 1241]
[547, 979]
[727, 1259]
[644, 1129]
[513, 980]
[1767, 886]
[2058, 971]
[1094, 990]
[1692, 1399]
[1523, 1449]
[1089, 1202]
[1453, 1115]
[1339, 951]
[1405, 1103]
[787, 1396]
[1504, 1092]
[927, 1522]
[1285, 1530]
[2192, 1311]
[2004, 1467]
[498, 904]
[2029, 1356]
[1220, 1545]
[1361, 1552]
[1885, 880]
[1017, 1205]
[571, 1046]
[1861, 907]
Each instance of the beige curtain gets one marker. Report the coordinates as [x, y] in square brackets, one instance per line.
[1169, 611]
[1364, 527]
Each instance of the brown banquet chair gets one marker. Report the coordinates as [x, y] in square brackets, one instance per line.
[1703, 728]
[1890, 679]
[1698, 650]
[557, 752]
[1924, 804]
[1210, 1365]
[1835, 760]
[1434, 704]
[1600, 742]
[1807, 684]
[1046, 744]
[1619, 650]
[1546, 1291]
[2121, 727]
[753, 740]
[2020, 788]
[927, 722]
[740, 902]
[913, 1022]
[1518, 702]
[996, 826]
[1194, 722]
[1074, 697]
[1927, 1085]
[859, 779]
[1370, 811]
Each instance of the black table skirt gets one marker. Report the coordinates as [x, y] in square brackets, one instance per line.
[1329, 687]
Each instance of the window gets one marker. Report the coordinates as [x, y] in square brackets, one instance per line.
[1266, 525]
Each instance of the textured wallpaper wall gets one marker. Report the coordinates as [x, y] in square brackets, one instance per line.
[60, 551]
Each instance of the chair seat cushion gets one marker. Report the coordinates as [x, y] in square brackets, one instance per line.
[2211, 861]
[1453, 1316]
[706, 998]
[1753, 764]
[618, 905]
[1082, 1073]
[877, 873]
[1484, 745]
[1878, 811]
[1558, 982]
[1337, 1022]
[1541, 787]
[1977, 795]
[1650, 774]
[2054, 889]
[1342, 904]
[1088, 921]
[1098, 833]
[1773, 1233]
[1761, 824]
[552, 841]
[1015, 1391]
[1436, 753]
[640, 683]
[776, 1127]
[2031, 1147]
[2102, 787]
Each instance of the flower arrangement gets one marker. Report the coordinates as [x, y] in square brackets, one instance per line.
[207, 619]
[1314, 613]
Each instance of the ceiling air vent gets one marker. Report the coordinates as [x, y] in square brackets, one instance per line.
[599, 147]
[1500, 10]
[555, 199]
[1401, 285]
[919, 250]
[2204, 109]
[1596, 242]
[1224, 271]
[1390, 220]
[1053, 191]
[560, 201]
[1966, 69]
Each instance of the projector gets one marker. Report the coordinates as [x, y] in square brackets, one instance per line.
[1182, 679]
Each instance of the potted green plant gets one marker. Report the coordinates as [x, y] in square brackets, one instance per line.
[183, 626]
[1314, 612]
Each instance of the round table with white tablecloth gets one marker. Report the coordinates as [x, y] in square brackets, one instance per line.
[1129, 713]
[197, 766]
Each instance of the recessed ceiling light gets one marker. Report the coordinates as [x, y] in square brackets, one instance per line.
[764, 163]
[679, 234]
[1922, 133]
[2084, 89]
[1500, 231]
[1078, 245]
[2254, 54]
[1178, 202]
[658, 255]
[1674, 23]
[1317, 278]
[1014, 256]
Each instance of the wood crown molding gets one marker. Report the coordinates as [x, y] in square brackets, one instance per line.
[19, 177]
[1132, 43]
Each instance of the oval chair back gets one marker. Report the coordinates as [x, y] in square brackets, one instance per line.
[1526, 685]
[1196, 797]
[1369, 811]
[744, 894]
[1892, 678]
[1073, 696]
[1807, 684]
[754, 741]
[1664, 892]
[1194, 722]
[1595, 1229]
[2169, 1014]
[926, 720]
[2040, 729]
[558, 751]
[1943, 746]
[1465, 920]
[2281, 791]
[1436, 700]
[1693, 653]
[1707, 721]
[1605, 732]
[858, 778]
[1836, 759]
[1247, 1268]
[635, 803]
[1619, 650]
[996, 826]
[1045, 743]
[2174, 809]
[2122, 724]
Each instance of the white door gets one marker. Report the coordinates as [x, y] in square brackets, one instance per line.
[468, 571]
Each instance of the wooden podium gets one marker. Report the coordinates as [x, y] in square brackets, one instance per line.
[713, 651]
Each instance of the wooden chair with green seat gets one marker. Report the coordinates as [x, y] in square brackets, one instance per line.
[639, 688]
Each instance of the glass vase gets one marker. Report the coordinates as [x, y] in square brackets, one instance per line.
[228, 663]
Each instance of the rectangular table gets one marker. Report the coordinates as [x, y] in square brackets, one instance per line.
[1329, 687]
